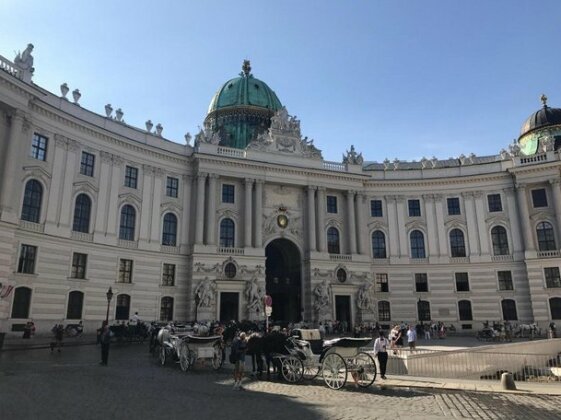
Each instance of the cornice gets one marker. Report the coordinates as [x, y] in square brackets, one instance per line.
[113, 139]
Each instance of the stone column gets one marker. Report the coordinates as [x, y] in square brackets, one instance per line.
[522, 202]
[556, 191]
[65, 210]
[103, 195]
[211, 214]
[403, 240]
[9, 199]
[146, 210]
[393, 225]
[311, 218]
[116, 178]
[518, 246]
[248, 211]
[258, 232]
[432, 234]
[184, 224]
[481, 224]
[59, 150]
[200, 216]
[361, 225]
[439, 210]
[351, 225]
[472, 230]
[157, 220]
[321, 233]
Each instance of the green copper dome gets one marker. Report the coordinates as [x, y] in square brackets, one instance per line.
[242, 109]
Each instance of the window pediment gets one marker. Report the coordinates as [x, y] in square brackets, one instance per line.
[541, 216]
[455, 223]
[130, 198]
[415, 224]
[372, 226]
[37, 172]
[85, 186]
[497, 220]
[171, 206]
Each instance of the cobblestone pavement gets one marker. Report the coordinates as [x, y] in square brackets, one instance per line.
[71, 385]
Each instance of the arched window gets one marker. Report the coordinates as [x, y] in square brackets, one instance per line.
[457, 243]
[464, 309]
[555, 307]
[508, 307]
[22, 303]
[417, 244]
[227, 233]
[546, 237]
[123, 307]
[500, 241]
[378, 244]
[128, 223]
[32, 198]
[169, 232]
[82, 212]
[423, 310]
[75, 304]
[333, 241]
[384, 313]
[166, 309]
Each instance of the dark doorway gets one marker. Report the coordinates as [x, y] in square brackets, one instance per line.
[229, 306]
[343, 311]
[283, 277]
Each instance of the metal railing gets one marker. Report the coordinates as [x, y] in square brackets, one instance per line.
[473, 364]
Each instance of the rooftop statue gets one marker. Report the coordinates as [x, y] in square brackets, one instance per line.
[352, 157]
[24, 60]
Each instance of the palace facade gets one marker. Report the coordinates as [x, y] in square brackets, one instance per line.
[203, 229]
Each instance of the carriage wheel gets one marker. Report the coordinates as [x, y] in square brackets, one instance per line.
[184, 357]
[364, 369]
[163, 355]
[217, 357]
[334, 371]
[292, 369]
[310, 372]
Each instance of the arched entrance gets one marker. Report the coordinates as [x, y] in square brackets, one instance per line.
[283, 269]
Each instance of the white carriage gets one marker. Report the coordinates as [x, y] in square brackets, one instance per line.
[308, 356]
[187, 349]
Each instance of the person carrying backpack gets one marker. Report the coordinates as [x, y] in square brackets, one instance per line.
[237, 356]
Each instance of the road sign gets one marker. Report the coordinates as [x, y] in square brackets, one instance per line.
[268, 310]
[268, 300]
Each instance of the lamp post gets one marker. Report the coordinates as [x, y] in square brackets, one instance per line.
[109, 295]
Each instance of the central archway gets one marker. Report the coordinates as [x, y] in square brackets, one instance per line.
[283, 269]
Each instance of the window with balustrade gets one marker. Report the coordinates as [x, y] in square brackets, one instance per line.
[499, 240]
[457, 243]
[333, 241]
[169, 230]
[128, 223]
[417, 240]
[82, 214]
[546, 237]
[32, 199]
[378, 244]
[227, 233]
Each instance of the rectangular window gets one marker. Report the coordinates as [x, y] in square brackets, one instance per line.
[539, 198]
[376, 208]
[382, 282]
[462, 282]
[27, 258]
[39, 147]
[414, 208]
[131, 177]
[79, 262]
[453, 206]
[495, 204]
[421, 282]
[87, 164]
[125, 271]
[331, 204]
[552, 278]
[228, 192]
[505, 280]
[172, 187]
[168, 275]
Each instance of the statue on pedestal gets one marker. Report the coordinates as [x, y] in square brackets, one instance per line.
[24, 60]
[205, 293]
[254, 295]
[322, 296]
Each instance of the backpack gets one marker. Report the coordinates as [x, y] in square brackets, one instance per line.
[234, 352]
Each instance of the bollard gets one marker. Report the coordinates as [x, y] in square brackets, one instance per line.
[507, 381]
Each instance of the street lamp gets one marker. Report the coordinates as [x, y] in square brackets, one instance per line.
[109, 295]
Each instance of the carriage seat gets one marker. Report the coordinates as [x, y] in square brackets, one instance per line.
[311, 337]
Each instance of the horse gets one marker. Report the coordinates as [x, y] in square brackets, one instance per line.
[267, 346]
[527, 330]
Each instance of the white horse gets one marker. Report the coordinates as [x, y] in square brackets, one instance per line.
[528, 330]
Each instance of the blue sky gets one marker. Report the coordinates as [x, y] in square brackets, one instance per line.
[395, 78]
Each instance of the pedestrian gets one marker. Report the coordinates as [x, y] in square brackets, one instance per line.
[239, 348]
[105, 340]
[28, 329]
[552, 330]
[58, 333]
[411, 338]
[381, 352]
[395, 335]
[427, 332]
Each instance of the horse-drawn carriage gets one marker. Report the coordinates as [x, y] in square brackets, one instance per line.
[188, 349]
[308, 356]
